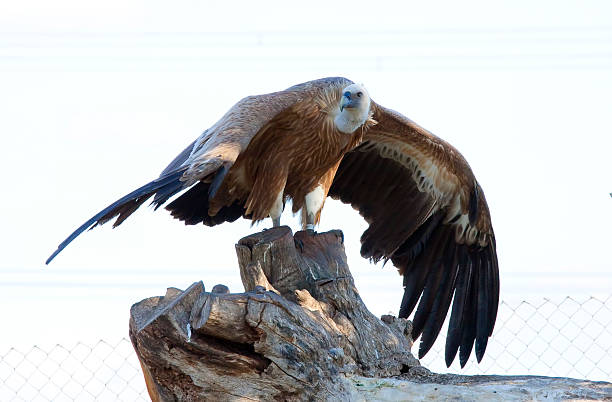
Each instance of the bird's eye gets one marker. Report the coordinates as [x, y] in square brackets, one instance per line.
[359, 94]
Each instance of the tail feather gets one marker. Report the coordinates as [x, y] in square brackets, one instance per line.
[126, 205]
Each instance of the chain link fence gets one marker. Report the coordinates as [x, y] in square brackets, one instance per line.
[103, 371]
[566, 338]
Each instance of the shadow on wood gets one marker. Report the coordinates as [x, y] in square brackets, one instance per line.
[296, 332]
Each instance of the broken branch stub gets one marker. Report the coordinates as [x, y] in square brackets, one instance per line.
[294, 334]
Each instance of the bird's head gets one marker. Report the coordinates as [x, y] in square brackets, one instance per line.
[355, 99]
[354, 108]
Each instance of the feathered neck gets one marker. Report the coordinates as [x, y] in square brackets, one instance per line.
[350, 120]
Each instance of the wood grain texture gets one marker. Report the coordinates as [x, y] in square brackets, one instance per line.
[296, 333]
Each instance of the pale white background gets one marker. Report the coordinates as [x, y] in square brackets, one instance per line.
[96, 99]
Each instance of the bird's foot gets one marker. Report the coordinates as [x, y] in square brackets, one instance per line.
[299, 244]
[308, 231]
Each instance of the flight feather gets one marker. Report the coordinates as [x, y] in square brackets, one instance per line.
[427, 214]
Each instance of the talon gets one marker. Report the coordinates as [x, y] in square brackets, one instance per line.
[299, 244]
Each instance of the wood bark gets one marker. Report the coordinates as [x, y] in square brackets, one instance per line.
[296, 333]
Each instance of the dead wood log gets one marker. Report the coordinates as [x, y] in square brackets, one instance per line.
[296, 332]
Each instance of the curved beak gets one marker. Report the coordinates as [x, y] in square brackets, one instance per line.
[346, 102]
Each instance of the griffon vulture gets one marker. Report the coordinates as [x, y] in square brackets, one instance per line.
[426, 211]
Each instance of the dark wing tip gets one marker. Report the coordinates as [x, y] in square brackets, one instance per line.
[442, 271]
[449, 356]
[475, 309]
[465, 351]
[481, 346]
[56, 252]
[89, 224]
[137, 197]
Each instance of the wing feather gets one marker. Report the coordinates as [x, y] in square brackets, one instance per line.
[482, 319]
[428, 215]
[203, 165]
[432, 263]
[442, 301]
[455, 323]
[470, 309]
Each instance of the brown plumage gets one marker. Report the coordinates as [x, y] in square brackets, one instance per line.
[426, 212]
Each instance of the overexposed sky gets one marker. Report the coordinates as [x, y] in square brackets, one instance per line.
[245, 16]
[96, 99]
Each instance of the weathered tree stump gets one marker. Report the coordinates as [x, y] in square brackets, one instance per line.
[301, 332]
[295, 334]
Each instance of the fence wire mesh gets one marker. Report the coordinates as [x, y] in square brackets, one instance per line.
[565, 338]
[103, 371]
[568, 337]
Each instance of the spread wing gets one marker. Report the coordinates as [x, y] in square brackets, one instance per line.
[202, 166]
[428, 215]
